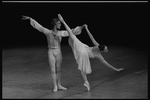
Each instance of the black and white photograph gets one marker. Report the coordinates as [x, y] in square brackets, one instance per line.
[74, 49]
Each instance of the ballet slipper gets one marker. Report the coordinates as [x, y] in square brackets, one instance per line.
[55, 89]
[62, 88]
[87, 85]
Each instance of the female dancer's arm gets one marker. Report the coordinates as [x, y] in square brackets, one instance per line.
[100, 57]
[91, 37]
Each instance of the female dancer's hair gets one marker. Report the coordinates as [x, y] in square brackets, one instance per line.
[101, 47]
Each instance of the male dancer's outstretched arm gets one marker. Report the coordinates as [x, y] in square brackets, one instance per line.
[36, 25]
[63, 33]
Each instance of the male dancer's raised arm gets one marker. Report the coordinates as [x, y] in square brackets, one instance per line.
[36, 25]
[63, 33]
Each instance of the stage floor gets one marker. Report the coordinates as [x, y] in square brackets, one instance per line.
[26, 74]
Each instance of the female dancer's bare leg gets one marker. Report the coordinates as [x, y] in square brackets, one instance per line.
[85, 80]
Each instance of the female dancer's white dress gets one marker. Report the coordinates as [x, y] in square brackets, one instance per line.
[82, 52]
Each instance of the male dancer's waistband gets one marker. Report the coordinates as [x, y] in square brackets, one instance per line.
[53, 47]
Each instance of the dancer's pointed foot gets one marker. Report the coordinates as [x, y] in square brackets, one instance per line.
[61, 87]
[55, 89]
[87, 85]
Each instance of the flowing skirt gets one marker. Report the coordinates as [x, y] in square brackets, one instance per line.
[82, 52]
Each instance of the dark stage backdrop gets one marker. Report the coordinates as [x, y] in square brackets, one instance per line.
[110, 23]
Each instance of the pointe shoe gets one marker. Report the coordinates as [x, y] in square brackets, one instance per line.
[62, 88]
[87, 85]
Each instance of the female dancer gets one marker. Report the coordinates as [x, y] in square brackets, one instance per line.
[82, 52]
